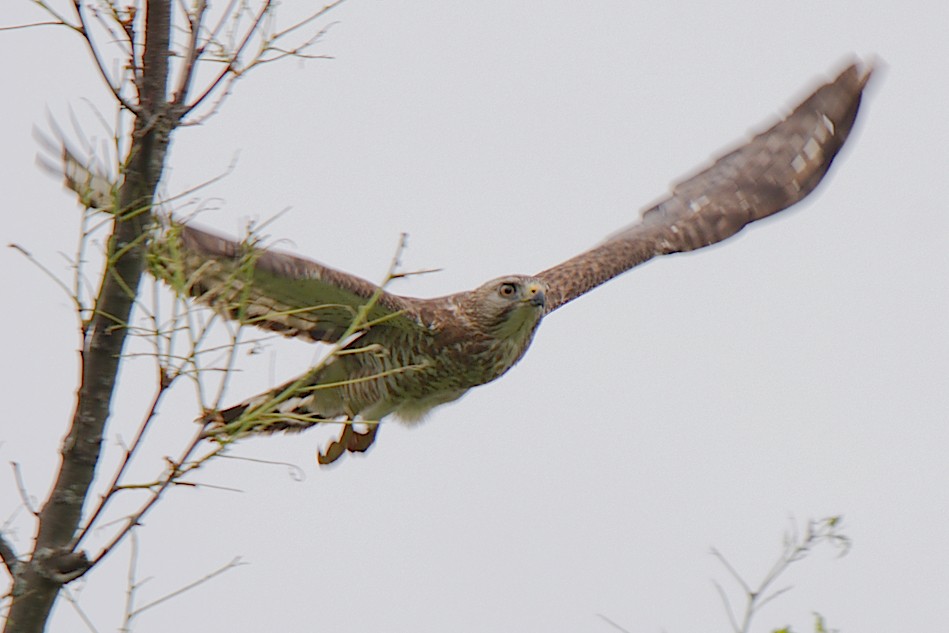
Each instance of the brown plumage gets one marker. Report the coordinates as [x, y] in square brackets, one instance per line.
[420, 353]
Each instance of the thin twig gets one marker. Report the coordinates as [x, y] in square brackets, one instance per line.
[132, 583]
[213, 34]
[124, 41]
[83, 30]
[314, 16]
[174, 473]
[31, 25]
[126, 458]
[795, 549]
[728, 607]
[24, 495]
[296, 473]
[230, 365]
[771, 596]
[734, 573]
[232, 59]
[49, 273]
[192, 52]
[611, 623]
[236, 562]
[58, 17]
[221, 85]
[79, 611]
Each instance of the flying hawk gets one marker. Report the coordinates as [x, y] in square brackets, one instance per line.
[409, 355]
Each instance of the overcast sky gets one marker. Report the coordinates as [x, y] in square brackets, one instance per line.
[797, 371]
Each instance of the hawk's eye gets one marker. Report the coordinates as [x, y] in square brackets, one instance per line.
[507, 290]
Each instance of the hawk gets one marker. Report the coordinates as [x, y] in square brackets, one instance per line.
[404, 356]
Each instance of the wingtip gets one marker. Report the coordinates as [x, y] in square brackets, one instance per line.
[874, 67]
[860, 70]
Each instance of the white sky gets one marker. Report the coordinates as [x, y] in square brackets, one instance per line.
[702, 400]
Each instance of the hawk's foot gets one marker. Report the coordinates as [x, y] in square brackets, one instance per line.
[349, 440]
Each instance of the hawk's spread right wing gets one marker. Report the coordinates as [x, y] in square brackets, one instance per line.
[772, 171]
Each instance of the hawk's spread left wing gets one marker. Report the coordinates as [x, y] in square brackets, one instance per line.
[774, 170]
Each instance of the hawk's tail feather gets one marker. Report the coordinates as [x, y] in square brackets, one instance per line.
[289, 416]
[349, 441]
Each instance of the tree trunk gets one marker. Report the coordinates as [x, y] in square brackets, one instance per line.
[53, 563]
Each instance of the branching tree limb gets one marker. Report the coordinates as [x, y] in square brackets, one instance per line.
[153, 93]
[796, 548]
[52, 562]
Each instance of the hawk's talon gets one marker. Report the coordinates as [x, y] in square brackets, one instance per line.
[359, 442]
[336, 448]
[350, 440]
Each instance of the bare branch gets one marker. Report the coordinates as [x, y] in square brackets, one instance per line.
[49, 273]
[222, 89]
[233, 58]
[192, 52]
[728, 607]
[83, 30]
[796, 548]
[142, 32]
[127, 23]
[221, 85]
[176, 469]
[58, 19]
[31, 25]
[313, 16]
[126, 459]
[228, 11]
[774, 594]
[124, 39]
[731, 570]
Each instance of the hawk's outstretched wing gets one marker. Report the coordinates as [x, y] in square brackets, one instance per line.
[774, 170]
[275, 290]
[264, 287]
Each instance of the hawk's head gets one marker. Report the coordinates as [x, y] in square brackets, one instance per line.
[509, 307]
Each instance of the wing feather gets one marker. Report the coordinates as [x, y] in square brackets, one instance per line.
[771, 172]
[264, 287]
[275, 290]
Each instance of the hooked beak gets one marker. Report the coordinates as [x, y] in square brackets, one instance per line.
[536, 296]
